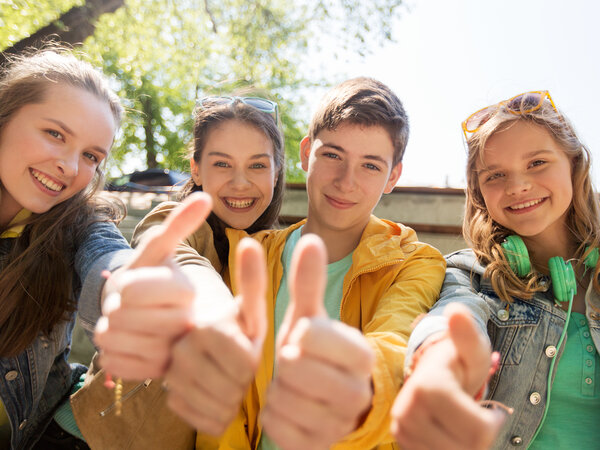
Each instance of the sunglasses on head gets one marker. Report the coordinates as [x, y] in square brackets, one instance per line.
[262, 104]
[519, 104]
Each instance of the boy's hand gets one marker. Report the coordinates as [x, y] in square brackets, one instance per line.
[214, 363]
[435, 408]
[148, 303]
[322, 386]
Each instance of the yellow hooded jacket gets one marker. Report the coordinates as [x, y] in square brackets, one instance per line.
[393, 279]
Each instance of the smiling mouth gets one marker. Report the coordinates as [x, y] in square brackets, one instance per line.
[239, 204]
[48, 183]
[526, 204]
[339, 203]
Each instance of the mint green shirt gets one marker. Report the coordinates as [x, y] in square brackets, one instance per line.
[573, 417]
[336, 271]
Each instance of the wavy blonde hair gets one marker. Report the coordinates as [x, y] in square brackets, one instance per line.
[485, 236]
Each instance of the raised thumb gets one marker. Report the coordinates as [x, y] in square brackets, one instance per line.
[251, 280]
[307, 280]
[473, 349]
[179, 224]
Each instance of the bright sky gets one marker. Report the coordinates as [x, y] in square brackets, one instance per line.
[453, 57]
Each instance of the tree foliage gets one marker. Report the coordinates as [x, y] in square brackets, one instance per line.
[21, 18]
[166, 54]
[72, 27]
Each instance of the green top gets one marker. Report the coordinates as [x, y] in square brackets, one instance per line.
[336, 271]
[574, 411]
[64, 414]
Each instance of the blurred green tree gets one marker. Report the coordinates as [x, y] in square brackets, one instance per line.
[166, 54]
[72, 26]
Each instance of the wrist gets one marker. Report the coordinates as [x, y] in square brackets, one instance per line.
[420, 351]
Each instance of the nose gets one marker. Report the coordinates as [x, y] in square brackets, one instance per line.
[68, 164]
[240, 179]
[517, 184]
[345, 180]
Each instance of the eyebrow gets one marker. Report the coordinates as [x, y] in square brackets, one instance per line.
[525, 156]
[72, 133]
[369, 157]
[225, 155]
[62, 125]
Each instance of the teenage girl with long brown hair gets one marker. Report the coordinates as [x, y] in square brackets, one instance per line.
[58, 119]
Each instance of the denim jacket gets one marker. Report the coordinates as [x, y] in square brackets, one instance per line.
[525, 334]
[33, 383]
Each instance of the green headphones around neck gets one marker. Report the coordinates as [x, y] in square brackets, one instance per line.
[564, 283]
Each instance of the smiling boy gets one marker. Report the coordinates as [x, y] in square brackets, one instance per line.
[331, 378]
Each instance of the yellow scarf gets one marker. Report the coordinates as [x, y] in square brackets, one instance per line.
[14, 231]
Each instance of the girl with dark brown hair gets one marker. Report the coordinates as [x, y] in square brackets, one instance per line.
[237, 157]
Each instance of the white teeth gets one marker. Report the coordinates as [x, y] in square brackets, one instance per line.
[47, 182]
[526, 204]
[239, 203]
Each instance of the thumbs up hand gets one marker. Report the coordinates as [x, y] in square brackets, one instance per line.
[322, 389]
[214, 363]
[438, 395]
[148, 303]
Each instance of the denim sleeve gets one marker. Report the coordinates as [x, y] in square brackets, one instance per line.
[461, 285]
[103, 248]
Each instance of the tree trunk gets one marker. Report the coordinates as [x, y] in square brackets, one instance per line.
[71, 28]
[146, 101]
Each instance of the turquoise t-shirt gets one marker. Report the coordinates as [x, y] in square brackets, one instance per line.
[574, 412]
[64, 414]
[336, 271]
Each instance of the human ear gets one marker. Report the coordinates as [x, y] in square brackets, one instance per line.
[393, 178]
[195, 172]
[305, 145]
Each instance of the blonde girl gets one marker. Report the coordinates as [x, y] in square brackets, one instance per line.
[528, 288]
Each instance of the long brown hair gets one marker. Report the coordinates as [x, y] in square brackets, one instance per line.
[36, 285]
[209, 118]
[485, 236]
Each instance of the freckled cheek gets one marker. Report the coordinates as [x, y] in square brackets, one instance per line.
[491, 201]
